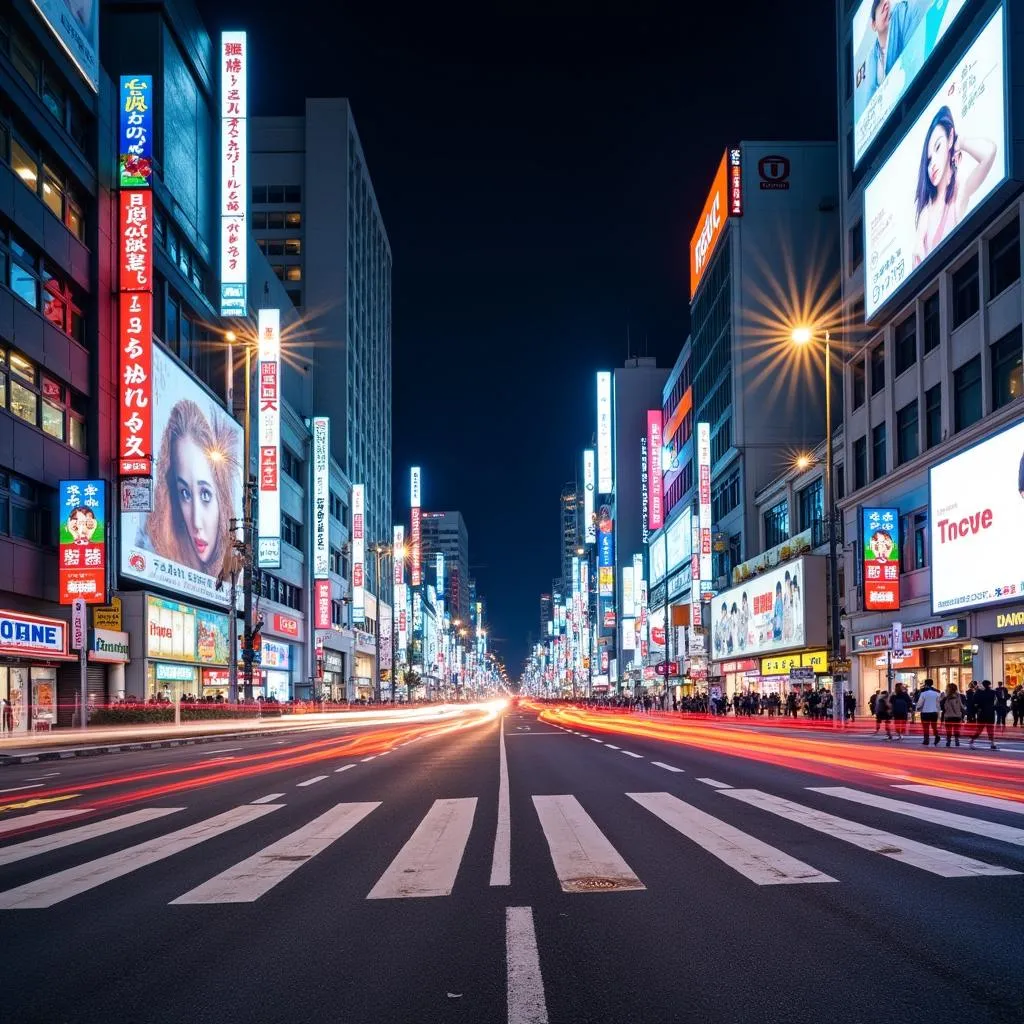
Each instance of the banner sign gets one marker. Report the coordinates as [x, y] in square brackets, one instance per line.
[321, 497]
[589, 487]
[415, 568]
[358, 553]
[135, 162]
[881, 557]
[269, 424]
[704, 498]
[83, 541]
[604, 433]
[234, 183]
[655, 479]
[321, 604]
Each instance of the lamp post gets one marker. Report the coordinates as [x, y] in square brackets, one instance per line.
[803, 336]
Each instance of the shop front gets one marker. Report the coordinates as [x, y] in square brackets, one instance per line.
[365, 657]
[1001, 652]
[798, 672]
[276, 667]
[108, 654]
[285, 673]
[32, 648]
[334, 674]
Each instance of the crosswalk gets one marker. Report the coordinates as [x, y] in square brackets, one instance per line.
[583, 858]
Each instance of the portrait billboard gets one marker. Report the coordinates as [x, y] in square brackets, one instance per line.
[976, 516]
[181, 544]
[951, 159]
[76, 26]
[881, 565]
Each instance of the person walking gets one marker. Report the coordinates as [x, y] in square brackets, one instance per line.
[971, 702]
[1002, 705]
[952, 713]
[928, 705]
[8, 716]
[900, 706]
[883, 713]
[985, 703]
[1017, 705]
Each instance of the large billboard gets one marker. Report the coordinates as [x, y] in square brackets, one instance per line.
[656, 503]
[604, 433]
[234, 181]
[589, 485]
[76, 24]
[710, 226]
[951, 159]
[269, 440]
[781, 610]
[976, 512]
[197, 490]
[83, 541]
[679, 537]
[881, 565]
[892, 41]
[321, 497]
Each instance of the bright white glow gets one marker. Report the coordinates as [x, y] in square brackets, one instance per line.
[234, 159]
[801, 335]
[604, 433]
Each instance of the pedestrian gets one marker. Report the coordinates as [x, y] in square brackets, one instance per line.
[985, 702]
[952, 713]
[1017, 705]
[850, 706]
[900, 706]
[8, 716]
[971, 702]
[928, 705]
[1002, 705]
[883, 713]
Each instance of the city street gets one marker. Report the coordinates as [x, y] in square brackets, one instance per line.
[518, 867]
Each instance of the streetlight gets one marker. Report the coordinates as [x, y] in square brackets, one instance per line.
[804, 336]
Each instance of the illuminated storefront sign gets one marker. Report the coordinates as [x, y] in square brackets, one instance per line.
[234, 185]
[321, 498]
[881, 556]
[604, 433]
[286, 625]
[83, 541]
[358, 553]
[655, 479]
[415, 527]
[179, 632]
[269, 440]
[589, 487]
[31, 634]
[135, 132]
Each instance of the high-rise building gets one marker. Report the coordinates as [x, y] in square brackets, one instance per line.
[315, 215]
[546, 606]
[446, 533]
[570, 505]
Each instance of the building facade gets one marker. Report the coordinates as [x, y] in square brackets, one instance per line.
[445, 533]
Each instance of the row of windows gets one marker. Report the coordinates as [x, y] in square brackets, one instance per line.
[26, 510]
[291, 465]
[276, 194]
[721, 440]
[280, 246]
[776, 524]
[178, 251]
[725, 497]
[274, 589]
[291, 531]
[679, 487]
[675, 396]
[37, 399]
[276, 220]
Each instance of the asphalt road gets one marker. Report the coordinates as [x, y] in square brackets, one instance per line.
[328, 883]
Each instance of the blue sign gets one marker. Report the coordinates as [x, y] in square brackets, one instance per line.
[30, 634]
[135, 164]
[606, 547]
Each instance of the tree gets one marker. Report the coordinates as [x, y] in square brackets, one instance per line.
[411, 680]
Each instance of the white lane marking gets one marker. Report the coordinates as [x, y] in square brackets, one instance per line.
[594, 739]
[907, 851]
[715, 783]
[384, 753]
[960, 822]
[611, 746]
[57, 841]
[363, 760]
[221, 750]
[761, 863]
[255, 876]
[579, 849]
[268, 799]
[18, 789]
[45, 892]
[39, 818]
[995, 802]
[667, 767]
[526, 1002]
[629, 753]
[344, 768]
[312, 782]
[429, 862]
[48, 775]
[501, 859]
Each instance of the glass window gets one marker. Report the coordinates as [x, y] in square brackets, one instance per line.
[293, 219]
[859, 385]
[292, 246]
[24, 522]
[812, 506]
[907, 433]
[930, 322]
[53, 97]
[23, 402]
[26, 62]
[1004, 258]
[24, 284]
[77, 433]
[293, 193]
[1007, 369]
[933, 416]
[53, 193]
[24, 165]
[259, 193]
[275, 221]
[914, 541]
[878, 368]
[23, 367]
[275, 193]
[776, 524]
[879, 459]
[75, 219]
[965, 292]
[53, 420]
[259, 220]
[967, 394]
[293, 274]
[906, 344]
[274, 246]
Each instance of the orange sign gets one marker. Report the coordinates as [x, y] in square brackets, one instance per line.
[710, 226]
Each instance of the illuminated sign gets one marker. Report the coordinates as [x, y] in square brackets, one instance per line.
[135, 134]
[657, 553]
[287, 625]
[735, 183]
[179, 632]
[710, 226]
[678, 539]
[944, 167]
[704, 498]
[321, 604]
[30, 634]
[321, 498]
[881, 559]
[234, 184]
[83, 541]
[269, 439]
[358, 553]
[655, 480]
[781, 664]
[628, 596]
[398, 555]
[645, 495]
[605, 552]
[439, 572]
[415, 528]
[696, 610]
[604, 433]
[77, 29]
[589, 487]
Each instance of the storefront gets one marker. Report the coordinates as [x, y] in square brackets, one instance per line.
[334, 674]
[800, 671]
[365, 654]
[286, 675]
[31, 650]
[276, 666]
[108, 655]
[1002, 651]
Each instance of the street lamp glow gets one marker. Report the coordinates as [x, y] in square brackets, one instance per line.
[230, 336]
[802, 461]
[801, 335]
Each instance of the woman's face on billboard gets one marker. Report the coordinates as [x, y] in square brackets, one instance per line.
[938, 154]
[196, 495]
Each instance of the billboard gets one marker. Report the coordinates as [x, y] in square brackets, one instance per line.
[358, 553]
[83, 541]
[589, 487]
[605, 552]
[951, 159]
[321, 497]
[679, 538]
[234, 181]
[696, 609]
[604, 433]
[179, 632]
[77, 28]
[268, 399]
[397, 557]
[704, 498]
[710, 226]
[439, 573]
[645, 492]
[415, 528]
[197, 490]
[321, 604]
[135, 132]
[782, 610]
[655, 479]
[892, 42]
[657, 553]
[881, 556]
[976, 512]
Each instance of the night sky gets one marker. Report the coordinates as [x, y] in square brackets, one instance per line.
[540, 172]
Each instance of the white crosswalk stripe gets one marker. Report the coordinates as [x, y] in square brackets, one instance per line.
[977, 799]
[52, 889]
[907, 851]
[752, 858]
[258, 874]
[429, 862]
[39, 818]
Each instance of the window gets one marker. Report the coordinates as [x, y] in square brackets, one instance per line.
[259, 193]
[860, 463]
[965, 292]
[879, 460]
[933, 416]
[1004, 259]
[856, 247]
[906, 344]
[35, 283]
[878, 368]
[907, 433]
[275, 221]
[24, 165]
[930, 322]
[725, 497]
[25, 510]
[914, 541]
[967, 394]
[1007, 369]
[293, 219]
[335, 561]
[859, 385]
[776, 524]
[40, 400]
[293, 246]
[274, 589]
[291, 464]
[50, 185]
[293, 193]
[812, 510]
[293, 274]
[275, 193]
[291, 531]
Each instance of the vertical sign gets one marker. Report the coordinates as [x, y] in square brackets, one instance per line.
[269, 439]
[881, 559]
[415, 569]
[628, 594]
[704, 500]
[589, 486]
[135, 161]
[695, 577]
[439, 571]
[83, 541]
[321, 497]
[645, 496]
[358, 553]
[397, 556]
[605, 553]
[604, 432]
[79, 624]
[322, 604]
[234, 185]
[135, 440]
[735, 184]
[655, 480]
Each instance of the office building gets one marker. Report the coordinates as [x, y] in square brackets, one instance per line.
[445, 533]
[570, 507]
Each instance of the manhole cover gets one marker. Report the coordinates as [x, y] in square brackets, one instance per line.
[592, 883]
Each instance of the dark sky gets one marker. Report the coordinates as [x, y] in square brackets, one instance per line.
[540, 171]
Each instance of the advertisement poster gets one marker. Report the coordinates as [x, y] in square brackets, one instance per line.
[135, 134]
[358, 553]
[589, 485]
[605, 552]
[234, 182]
[180, 545]
[892, 41]
[951, 159]
[321, 497]
[83, 541]
[881, 559]
[77, 28]
[604, 433]
[976, 512]
[269, 440]
[679, 537]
